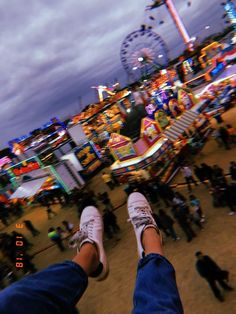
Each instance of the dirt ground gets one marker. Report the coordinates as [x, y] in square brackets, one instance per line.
[114, 295]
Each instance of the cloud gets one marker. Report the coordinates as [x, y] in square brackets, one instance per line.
[52, 52]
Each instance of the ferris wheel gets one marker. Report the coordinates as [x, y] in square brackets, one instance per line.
[143, 52]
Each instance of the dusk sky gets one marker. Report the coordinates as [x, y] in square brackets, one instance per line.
[53, 51]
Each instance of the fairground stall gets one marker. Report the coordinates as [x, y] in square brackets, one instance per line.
[218, 96]
[41, 176]
[99, 120]
[161, 147]
[203, 68]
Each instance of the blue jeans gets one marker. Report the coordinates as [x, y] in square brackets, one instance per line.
[59, 287]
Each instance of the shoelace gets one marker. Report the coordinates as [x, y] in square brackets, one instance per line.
[141, 221]
[84, 233]
[141, 218]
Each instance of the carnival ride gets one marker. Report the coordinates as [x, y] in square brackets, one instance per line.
[143, 52]
[175, 17]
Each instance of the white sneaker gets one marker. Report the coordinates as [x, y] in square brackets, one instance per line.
[140, 214]
[91, 230]
[231, 213]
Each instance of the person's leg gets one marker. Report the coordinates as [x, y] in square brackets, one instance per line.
[59, 287]
[37, 232]
[173, 233]
[190, 230]
[110, 185]
[60, 245]
[224, 285]
[166, 231]
[215, 290]
[116, 228]
[166, 201]
[155, 289]
[187, 232]
[193, 180]
[200, 212]
[197, 222]
[49, 214]
[188, 183]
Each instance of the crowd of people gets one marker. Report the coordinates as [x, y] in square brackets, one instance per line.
[10, 212]
[225, 136]
[170, 208]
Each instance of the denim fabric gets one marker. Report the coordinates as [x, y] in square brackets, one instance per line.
[156, 291]
[54, 290]
[58, 288]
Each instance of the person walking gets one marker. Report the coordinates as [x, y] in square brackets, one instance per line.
[216, 135]
[108, 180]
[212, 273]
[55, 237]
[207, 171]
[229, 198]
[4, 215]
[110, 223]
[182, 215]
[105, 199]
[225, 137]
[198, 171]
[63, 284]
[179, 199]
[232, 133]
[218, 176]
[232, 170]
[166, 193]
[188, 175]
[68, 226]
[28, 225]
[167, 224]
[196, 207]
[50, 212]
[61, 232]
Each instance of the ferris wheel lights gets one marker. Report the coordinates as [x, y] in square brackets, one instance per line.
[160, 56]
[207, 26]
[164, 71]
[140, 59]
[134, 68]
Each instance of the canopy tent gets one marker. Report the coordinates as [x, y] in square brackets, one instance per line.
[29, 188]
[180, 125]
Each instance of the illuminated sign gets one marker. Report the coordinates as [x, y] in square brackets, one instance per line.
[126, 151]
[25, 166]
[88, 158]
[217, 69]
[5, 160]
[231, 12]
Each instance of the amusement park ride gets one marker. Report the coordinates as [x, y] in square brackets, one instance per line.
[144, 51]
[176, 18]
[110, 91]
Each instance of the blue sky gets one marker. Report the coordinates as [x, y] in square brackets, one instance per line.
[52, 52]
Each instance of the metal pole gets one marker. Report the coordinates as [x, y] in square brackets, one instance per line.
[178, 22]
